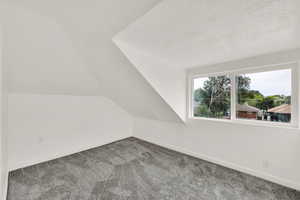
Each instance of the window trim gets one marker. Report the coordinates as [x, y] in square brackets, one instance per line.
[232, 74]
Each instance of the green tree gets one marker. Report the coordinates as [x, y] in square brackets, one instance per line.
[287, 99]
[252, 97]
[273, 101]
[214, 97]
[245, 95]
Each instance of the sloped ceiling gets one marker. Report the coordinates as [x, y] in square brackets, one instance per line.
[65, 47]
[191, 33]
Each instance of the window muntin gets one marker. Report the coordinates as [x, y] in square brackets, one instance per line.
[211, 97]
[290, 74]
[264, 96]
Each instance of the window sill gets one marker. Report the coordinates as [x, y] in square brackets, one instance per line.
[249, 122]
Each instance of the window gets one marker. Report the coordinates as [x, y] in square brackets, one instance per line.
[264, 96]
[260, 95]
[212, 97]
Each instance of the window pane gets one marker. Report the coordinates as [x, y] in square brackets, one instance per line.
[264, 96]
[211, 97]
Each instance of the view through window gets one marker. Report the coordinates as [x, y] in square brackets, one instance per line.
[264, 96]
[212, 97]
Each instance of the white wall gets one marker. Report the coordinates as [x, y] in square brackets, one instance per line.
[164, 77]
[76, 56]
[51, 52]
[3, 126]
[268, 152]
[44, 127]
[54, 56]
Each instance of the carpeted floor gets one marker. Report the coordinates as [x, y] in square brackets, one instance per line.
[132, 169]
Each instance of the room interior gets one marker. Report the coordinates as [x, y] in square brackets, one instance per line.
[99, 99]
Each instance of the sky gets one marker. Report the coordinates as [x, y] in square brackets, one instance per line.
[267, 83]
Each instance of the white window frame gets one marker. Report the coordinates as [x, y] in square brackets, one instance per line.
[232, 74]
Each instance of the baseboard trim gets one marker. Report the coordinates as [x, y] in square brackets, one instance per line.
[4, 187]
[262, 175]
[13, 167]
[268, 177]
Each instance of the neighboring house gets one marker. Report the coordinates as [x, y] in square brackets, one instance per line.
[281, 113]
[246, 111]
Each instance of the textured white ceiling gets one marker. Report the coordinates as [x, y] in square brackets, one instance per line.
[177, 35]
[200, 32]
[65, 47]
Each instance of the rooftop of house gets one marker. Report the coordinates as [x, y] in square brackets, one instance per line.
[246, 108]
[284, 109]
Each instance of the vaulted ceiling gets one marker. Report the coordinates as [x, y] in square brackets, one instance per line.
[176, 35]
[201, 32]
[66, 47]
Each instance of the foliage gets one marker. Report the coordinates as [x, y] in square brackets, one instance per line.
[273, 101]
[213, 99]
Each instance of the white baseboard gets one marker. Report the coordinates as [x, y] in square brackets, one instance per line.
[15, 166]
[266, 176]
[234, 166]
[5, 187]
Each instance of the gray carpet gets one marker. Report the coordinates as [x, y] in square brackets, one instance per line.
[132, 169]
